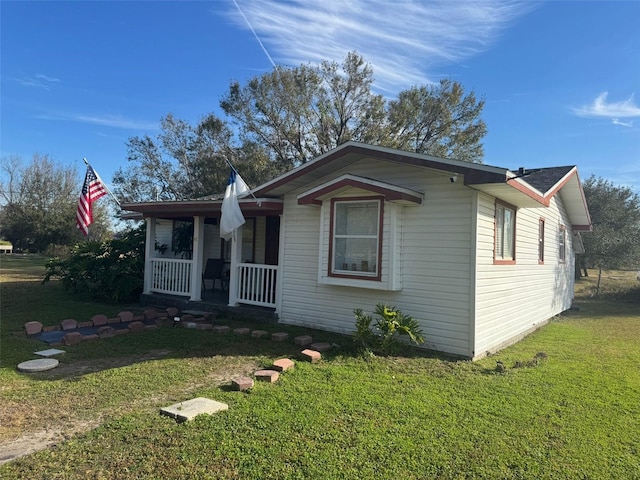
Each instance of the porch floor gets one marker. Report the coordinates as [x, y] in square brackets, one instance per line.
[212, 301]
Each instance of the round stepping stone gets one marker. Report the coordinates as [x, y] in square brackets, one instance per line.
[39, 365]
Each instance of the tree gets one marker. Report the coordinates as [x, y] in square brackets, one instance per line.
[39, 202]
[614, 242]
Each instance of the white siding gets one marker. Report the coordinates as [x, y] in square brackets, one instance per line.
[434, 261]
[512, 300]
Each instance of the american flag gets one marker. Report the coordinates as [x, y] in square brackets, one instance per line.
[92, 190]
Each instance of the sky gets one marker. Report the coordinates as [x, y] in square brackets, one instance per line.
[561, 79]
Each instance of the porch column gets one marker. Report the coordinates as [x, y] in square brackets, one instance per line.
[236, 259]
[196, 261]
[149, 248]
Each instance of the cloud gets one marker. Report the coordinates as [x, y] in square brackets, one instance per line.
[401, 40]
[615, 121]
[602, 109]
[114, 121]
[38, 80]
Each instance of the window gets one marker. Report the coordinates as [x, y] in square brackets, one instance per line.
[541, 241]
[355, 238]
[562, 244]
[505, 236]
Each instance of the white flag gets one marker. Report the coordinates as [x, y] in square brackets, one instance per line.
[232, 217]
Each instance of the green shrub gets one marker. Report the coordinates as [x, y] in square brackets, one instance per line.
[109, 271]
[390, 325]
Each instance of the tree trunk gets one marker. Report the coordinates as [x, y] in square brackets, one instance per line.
[599, 278]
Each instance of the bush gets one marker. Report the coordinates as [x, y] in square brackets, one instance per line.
[390, 326]
[109, 271]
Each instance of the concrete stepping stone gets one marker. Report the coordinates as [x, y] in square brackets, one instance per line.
[242, 331]
[221, 329]
[311, 355]
[242, 383]
[190, 409]
[50, 352]
[279, 336]
[320, 346]
[259, 334]
[303, 340]
[38, 365]
[283, 364]
[33, 328]
[270, 376]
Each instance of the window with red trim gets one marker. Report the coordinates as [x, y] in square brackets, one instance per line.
[562, 244]
[505, 234]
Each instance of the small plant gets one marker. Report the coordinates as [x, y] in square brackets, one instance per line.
[388, 327]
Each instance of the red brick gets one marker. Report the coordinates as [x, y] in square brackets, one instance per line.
[279, 336]
[303, 340]
[242, 383]
[99, 320]
[270, 376]
[69, 324]
[33, 328]
[283, 364]
[311, 355]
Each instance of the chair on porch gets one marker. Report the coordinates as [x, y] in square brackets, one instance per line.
[213, 272]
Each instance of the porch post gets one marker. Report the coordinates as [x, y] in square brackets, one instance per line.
[236, 259]
[149, 248]
[196, 260]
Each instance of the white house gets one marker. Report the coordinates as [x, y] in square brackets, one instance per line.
[479, 255]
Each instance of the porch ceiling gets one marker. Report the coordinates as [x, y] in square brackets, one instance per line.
[187, 209]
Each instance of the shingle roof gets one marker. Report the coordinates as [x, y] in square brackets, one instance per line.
[543, 179]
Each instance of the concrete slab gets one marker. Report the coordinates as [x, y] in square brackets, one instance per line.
[49, 352]
[39, 365]
[188, 410]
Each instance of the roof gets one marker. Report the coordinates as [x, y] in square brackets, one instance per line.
[522, 188]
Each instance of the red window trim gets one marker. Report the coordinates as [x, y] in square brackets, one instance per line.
[330, 272]
[498, 261]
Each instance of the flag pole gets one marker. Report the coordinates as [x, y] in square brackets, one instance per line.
[234, 169]
[104, 184]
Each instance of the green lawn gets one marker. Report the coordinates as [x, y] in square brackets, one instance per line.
[575, 413]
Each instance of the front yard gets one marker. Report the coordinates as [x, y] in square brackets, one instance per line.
[572, 411]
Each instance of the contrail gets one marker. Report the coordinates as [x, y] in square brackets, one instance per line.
[255, 34]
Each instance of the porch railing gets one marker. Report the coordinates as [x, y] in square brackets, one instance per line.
[171, 276]
[257, 284]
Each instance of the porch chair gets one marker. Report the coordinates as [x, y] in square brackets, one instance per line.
[213, 272]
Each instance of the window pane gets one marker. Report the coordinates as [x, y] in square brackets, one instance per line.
[356, 254]
[357, 218]
[508, 233]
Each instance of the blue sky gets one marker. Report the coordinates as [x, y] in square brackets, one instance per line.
[561, 80]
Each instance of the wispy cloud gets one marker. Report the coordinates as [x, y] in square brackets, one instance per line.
[615, 121]
[402, 40]
[114, 121]
[38, 80]
[601, 108]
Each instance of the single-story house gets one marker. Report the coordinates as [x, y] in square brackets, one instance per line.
[479, 255]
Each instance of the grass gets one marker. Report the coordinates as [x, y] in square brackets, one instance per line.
[573, 413]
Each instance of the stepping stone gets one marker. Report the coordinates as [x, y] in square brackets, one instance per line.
[279, 336]
[190, 409]
[204, 326]
[49, 352]
[33, 328]
[72, 338]
[270, 376]
[125, 316]
[259, 334]
[242, 331]
[99, 320]
[69, 324]
[242, 383]
[311, 355]
[283, 364]
[221, 328]
[320, 346]
[39, 365]
[303, 340]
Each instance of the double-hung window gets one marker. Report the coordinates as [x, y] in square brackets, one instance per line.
[505, 234]
[356, 233]
[562, 244]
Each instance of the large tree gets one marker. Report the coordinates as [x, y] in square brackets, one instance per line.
[289, 116]
[614, 242]
[39, 202]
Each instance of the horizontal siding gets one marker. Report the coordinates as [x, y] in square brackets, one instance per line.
[512, 300]
[433, 255]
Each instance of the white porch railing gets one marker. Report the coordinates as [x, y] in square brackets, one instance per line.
[257, 284]
[171, 276]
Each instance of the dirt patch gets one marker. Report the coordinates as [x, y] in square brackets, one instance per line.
[29, 428]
